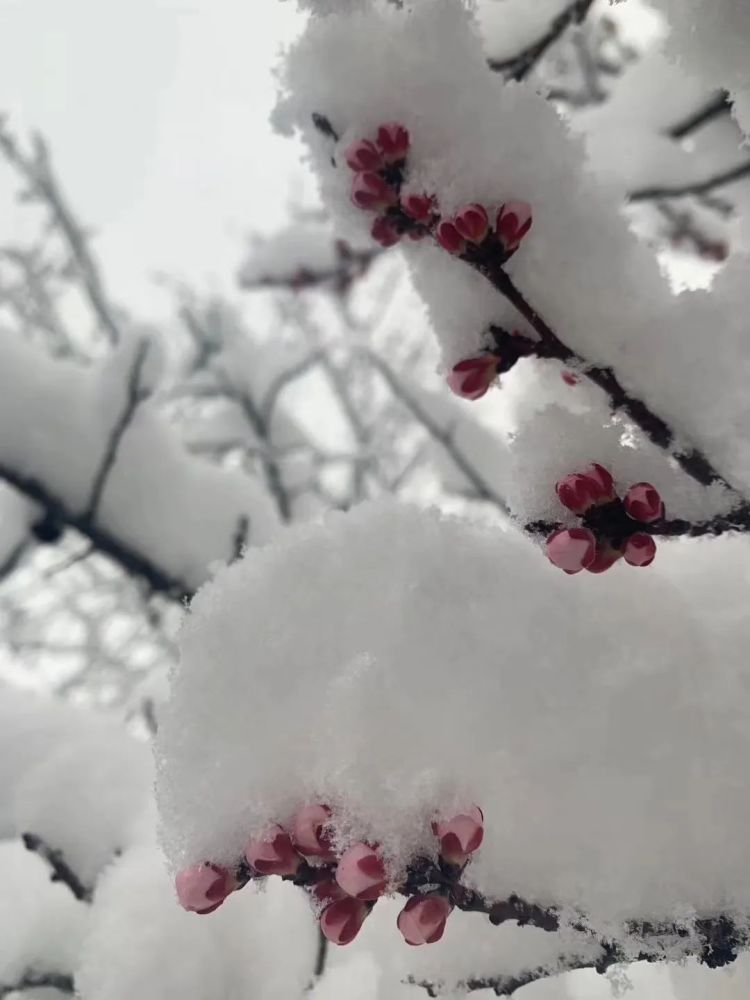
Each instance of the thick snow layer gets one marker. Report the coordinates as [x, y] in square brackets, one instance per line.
[73, 777]
[474, 138]
[41, 924]
[177, 510]
[711, 41]
[392, 662]
[141, 944]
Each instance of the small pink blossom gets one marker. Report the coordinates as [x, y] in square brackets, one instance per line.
[643, 503]
[449, 237]
[422, 920]
[370, 192]
[460, 836]
[361, 873]
[513, 222]
[385, 231]
[363, 155]
[582, 490]
[419, 207]
[640, 549]
[569, 377]
[393, 140]
[472, 223]
[204, 887]
[310, 834]
[605, 558]
[571, 549]
[472, 377]
[342, 920]
[273, 854]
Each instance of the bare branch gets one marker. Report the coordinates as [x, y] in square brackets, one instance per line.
[718, 105]
[519, 66]
[60, 981]
[61, 870]
[133, 398]
[703, 187]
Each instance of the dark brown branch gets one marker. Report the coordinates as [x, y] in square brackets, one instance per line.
[735, 173]
[718, 105]
[519, 66]
[58, 516]
[61, 870]
[134, 396]
[271, 468]
[59, 981]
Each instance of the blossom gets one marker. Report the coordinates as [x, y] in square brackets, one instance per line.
[422, 920]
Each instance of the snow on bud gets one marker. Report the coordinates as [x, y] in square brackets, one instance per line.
[569, 377]
[472, 223]
[393, 140]
[472, 377]
[460, 836]
[449, 237]
[419, 207]
[273, 854]
[422, 920]
[309, 834]
[643, 503]
[640, 549]
[326, 892]
[513, 222]
[204, 887]
[571, 549]
[342, 921]
[605, 558]
[370, 192]
[385, 231]
[363, 155]
[361, 873]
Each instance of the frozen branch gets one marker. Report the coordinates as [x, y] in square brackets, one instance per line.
[703, 187]
[519, 66]
[718, 105]
[59, 981]
[61, 870]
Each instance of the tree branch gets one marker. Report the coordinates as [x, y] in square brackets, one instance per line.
[705, 186]
[519, 66]
[718, 105]
[60, 981]
[61, 870]
[133, 398]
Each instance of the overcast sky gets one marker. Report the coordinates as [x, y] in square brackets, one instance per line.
[156, 111]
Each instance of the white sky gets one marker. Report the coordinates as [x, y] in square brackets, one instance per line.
[156, 111]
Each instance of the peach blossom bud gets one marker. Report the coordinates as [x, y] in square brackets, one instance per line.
[342, 921]
[419, 207]
[422, 920]
[643, 503]
[361, 873]
[640, 549]
[204, 887]
[472, 377]
[460, 836]
[393, 140]
[449, 237]
[571, 549]
[513, 222]
[385, 231]
[472, 223]
[370, 192]
[363, 155]
[273, 853]
[309, 832]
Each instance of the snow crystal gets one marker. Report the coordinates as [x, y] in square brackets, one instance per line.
[391, 662]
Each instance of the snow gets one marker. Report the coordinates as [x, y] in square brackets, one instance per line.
[179, 511]
[16, 516]
[141, 944]
[426, 666]
[476, 139]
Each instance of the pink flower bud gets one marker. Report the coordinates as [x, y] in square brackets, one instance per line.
[204, 887]
[582, 490]
[472, 377]
[363, 155]
[385, 231]
[605, 558]
[422, 920]
[309, 832]
[370, 192]
[273, 854]
[643, 503]
[603, 482]
[393, 140]
[342, 921]
[513, 222]
[640, 549]
[326, 892]
[569, 377]
[420, 207]
[449, 237]
[460, 836]
[571, 549]
[361, 873]
[472, 223]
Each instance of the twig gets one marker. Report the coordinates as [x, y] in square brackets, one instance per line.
[283, 380]
[519, 66]
[38, 173]
[443, 437]
[713, 108]
[61, 870]
[133, 397]
[692, 188]
[60, 981]
[321, 957]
